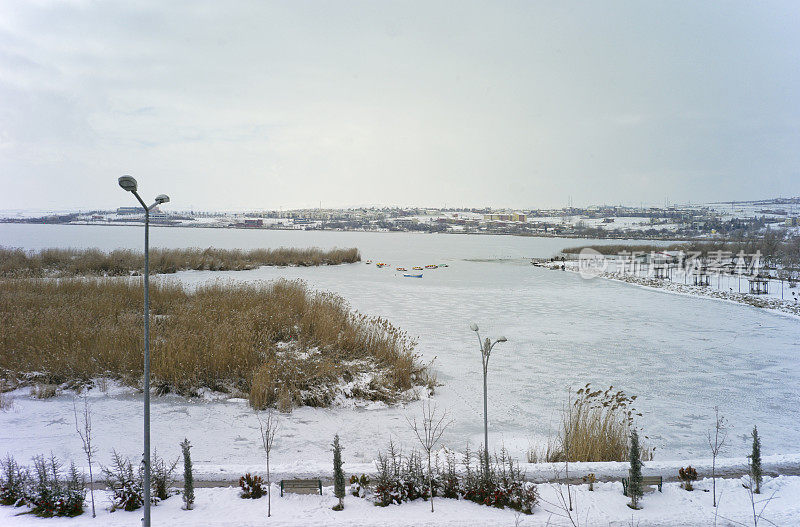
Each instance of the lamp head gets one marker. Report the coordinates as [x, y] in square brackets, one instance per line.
[502, 339]
[162, 198]
[473, 326]
[128, 183]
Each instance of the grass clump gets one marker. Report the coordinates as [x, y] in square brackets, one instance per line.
[276, 342]
[123, 262]
[596, 426]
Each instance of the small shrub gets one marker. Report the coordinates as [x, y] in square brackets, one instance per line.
[125, 484]
[44, 391]
[687, 476]
[590, 479]
[401, 478]
[14, 482]
[188, 477]
[359, 485]
[252, 487]
[338, 474]
[635, 474]
[5, 402]
[51, 493]
[756, 474]
[162, 477]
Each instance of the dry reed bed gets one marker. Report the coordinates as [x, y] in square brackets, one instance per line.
[123, 262]
[595, 426]
[276, 342]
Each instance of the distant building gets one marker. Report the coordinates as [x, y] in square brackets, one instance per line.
[130, 210]
[254, 223]
[792, 222]
[506, 217]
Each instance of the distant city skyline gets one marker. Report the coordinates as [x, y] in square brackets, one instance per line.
[518, 105]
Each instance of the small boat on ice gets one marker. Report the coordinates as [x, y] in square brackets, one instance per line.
[417, 268]
[413, 275]
[402, 269]
[431, 266]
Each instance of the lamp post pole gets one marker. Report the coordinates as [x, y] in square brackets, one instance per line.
[128, 183]
[486, 351]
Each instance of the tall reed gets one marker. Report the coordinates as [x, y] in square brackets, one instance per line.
[123, 262]
[265, 339]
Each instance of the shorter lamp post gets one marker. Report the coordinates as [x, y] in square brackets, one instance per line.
[486, 352]
[128, 183]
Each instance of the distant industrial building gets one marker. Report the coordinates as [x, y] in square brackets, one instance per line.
[130, 210]
[516, 216]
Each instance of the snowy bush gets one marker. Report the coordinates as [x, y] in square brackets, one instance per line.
[13, 483]
[188, 477]
[125, 484]
[359, 485]
[162, 477]
[51, 493]
[401, 478]
[687, 476]
[252, 487]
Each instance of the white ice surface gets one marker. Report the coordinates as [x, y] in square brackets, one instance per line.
[681, 355]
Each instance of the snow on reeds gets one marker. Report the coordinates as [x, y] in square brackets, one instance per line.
[596, 426]
[267, 340]
[122, 262]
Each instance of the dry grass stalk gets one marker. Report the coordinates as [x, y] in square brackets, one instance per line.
[252, 338]
[123, 262]
[596, 428]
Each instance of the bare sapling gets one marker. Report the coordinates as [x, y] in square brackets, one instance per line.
[717, 439]
[428, 432]
[84, 428]
[268, 427]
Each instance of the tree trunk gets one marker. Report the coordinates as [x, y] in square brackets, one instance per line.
[269, 490]
[430, 479]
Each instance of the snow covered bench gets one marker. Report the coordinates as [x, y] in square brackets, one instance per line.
[301, 486]
[646, 480]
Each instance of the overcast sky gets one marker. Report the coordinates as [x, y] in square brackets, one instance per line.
[250, 105]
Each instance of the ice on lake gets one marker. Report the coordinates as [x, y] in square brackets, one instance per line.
[680, 355]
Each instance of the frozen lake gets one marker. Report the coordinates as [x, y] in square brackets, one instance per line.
[681, 355]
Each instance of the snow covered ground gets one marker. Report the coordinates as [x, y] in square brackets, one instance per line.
[604, 506]
[680, 354]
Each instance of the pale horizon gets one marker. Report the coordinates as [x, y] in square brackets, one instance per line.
[267, 106]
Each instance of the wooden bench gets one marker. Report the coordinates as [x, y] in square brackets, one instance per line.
[301, 486]
[646, 480]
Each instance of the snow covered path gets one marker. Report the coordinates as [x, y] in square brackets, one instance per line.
[605, 506]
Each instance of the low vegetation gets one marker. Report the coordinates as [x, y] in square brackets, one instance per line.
[402, 478]
[776, 248]
[124, 262]
[595, 426]
[277, 343]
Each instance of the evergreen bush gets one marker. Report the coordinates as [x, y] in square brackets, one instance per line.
[359, 485]
[13, 483]
[188, 477]
[756, 474]
[401, 478]
[635, 476]
[126, 485]
[162, 477]
[338, 474]
[252, 487]
[51, 493]
[687, 476]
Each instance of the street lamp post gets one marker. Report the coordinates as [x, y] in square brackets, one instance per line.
[486, 351]
[128, 183]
